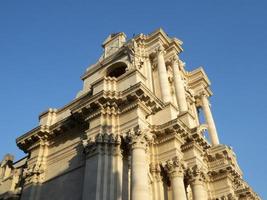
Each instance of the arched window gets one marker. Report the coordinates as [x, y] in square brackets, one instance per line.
[116, 70]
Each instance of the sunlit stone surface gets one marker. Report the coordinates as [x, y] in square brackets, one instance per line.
[132, 133]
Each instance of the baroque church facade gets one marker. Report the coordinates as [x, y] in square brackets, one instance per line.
[132, 133]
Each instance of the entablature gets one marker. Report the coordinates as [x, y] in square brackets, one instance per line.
[136, 92]
[43, 133]
[246, 192]
[222, 157]
[198, 81]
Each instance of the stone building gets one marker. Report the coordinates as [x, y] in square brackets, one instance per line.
[133, 132]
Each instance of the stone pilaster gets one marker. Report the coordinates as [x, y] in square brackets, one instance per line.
[139, 141]
[103, 169]
[34, 174]
[155, 170]
[163, 76]
[175, 170]
[196, 179]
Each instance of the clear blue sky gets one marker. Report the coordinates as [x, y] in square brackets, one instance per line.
[46, 45]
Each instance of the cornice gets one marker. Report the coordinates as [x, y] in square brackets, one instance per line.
[247, 192]
[220, 158]
[43, 133]
[189, 145]
[88, 108]
[160, 36]
[138, 91]
[198, 81]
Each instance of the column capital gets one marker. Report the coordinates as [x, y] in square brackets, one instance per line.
[174, 60]
[196, 175]
[96, 145]
[160, 50]
[139, 138]
[202, 94]
[175, 167]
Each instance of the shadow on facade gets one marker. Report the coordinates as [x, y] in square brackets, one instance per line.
[66, 171]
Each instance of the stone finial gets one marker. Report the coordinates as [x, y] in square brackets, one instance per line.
[8, 158]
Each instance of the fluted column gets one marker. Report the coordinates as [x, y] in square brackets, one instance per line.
[103, 168]
[196, 179]
[209, 120]
[139, 172]
[175, 170]
[163, 76]
[179, 85]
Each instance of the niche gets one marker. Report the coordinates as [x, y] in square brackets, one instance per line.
[116, 70]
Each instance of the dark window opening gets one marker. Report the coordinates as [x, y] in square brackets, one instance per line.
[116, 71]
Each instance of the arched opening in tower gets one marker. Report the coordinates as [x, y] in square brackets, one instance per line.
[116, 70]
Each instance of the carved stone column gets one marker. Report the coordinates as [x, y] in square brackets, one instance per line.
[163, 76]
[175, 170]
[209, 120]
[179, 85]
[139, 141]
[196, 180]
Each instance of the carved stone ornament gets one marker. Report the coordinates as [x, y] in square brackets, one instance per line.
[174, 167]
[139, 138]
[226, 197]
[33, 174]
[160, 50]
[174, 60]
[195, 175]
[101, 143]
